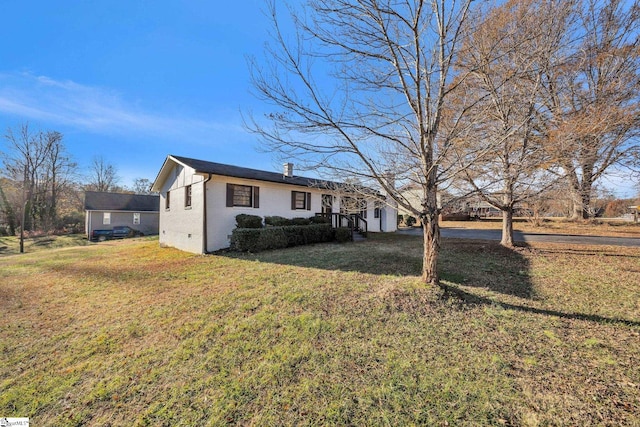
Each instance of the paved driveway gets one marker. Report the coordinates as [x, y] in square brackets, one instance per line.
[465, 233]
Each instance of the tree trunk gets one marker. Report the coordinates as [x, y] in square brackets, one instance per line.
[431, 246]
[581, 198]
[507, 228]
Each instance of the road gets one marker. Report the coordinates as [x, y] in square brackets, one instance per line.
[465, 233]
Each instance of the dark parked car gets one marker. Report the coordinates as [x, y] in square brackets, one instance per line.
[117, 233]
[125, 231]
[101, 235]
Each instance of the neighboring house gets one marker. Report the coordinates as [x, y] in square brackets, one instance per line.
[199, 201]
[451, 207]
[103, 211]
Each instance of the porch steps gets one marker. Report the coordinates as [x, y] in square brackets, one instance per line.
[357, 237]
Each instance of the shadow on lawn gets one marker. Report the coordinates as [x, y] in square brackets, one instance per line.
[469, 298]
[470, 263]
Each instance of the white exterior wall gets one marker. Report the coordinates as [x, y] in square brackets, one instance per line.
[275, 200]
[181, 227]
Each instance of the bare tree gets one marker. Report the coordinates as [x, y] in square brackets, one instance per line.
[359, 91]
[57, 175]
[504, 57]
[38, 161]
[141, 186]
[103, 176]
[592, 100]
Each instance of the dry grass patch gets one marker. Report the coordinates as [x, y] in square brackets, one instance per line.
[129, 333]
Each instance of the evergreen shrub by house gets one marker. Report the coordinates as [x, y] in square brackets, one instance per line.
[409, 220]
[343, 234]
[320, 219]
[276, 221]
[248, 221]
[255, 240]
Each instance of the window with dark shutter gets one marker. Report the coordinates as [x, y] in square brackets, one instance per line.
[256, 197]
[187, 196]
[300, 200]
[167, 201]
[243, 196]
[327, 203]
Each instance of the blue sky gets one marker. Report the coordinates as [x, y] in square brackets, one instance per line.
[133, 81]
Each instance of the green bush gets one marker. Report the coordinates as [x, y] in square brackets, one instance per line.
[343, 234]
[248, 221]
[255, 240]
[276, 221]
[320, 219]
[300, 221]
[409, 220]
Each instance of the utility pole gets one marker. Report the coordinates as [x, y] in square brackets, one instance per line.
[24, 208]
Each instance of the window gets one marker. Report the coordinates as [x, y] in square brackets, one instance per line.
[362, 207]
[300, 200]
[106, 218]
[167, 201]
[327, 203]
[243, 196]
[378, 209]
[136, 218]
[187, 196]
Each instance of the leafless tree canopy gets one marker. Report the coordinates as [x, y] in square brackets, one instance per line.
[103, 176]
[498, 95]
[358, 90]
[592, 97]
[39, 164]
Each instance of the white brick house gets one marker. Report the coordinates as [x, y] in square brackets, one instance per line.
[199, 201]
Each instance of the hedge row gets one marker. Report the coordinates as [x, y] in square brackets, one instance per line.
[278, 221]
[260, 239]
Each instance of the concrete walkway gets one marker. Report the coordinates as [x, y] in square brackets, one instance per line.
[465, 233]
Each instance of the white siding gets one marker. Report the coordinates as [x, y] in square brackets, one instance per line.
[180, 226]
[275, 200]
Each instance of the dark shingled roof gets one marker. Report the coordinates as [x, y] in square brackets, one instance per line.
[240, 172]
[100, 201]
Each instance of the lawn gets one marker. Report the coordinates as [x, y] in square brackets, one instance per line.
[10, 245]
[127, 333]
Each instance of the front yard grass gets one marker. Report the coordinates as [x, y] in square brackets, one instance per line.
[10, 245]
[127, 333]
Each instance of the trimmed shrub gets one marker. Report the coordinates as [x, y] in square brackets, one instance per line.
[320, 219]
[300, 221]
[244, 239]
[255, 240]
[248, 221]
[409, 220]
[343, 234]
[276, 221]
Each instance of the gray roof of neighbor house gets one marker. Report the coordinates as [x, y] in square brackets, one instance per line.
[101, 201]
[202, 166]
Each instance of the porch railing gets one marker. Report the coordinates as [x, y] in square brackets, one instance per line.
[355, 222]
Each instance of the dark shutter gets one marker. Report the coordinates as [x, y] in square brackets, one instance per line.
[229, 195]
[308, 201]
[256, 197]
[293, 200]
